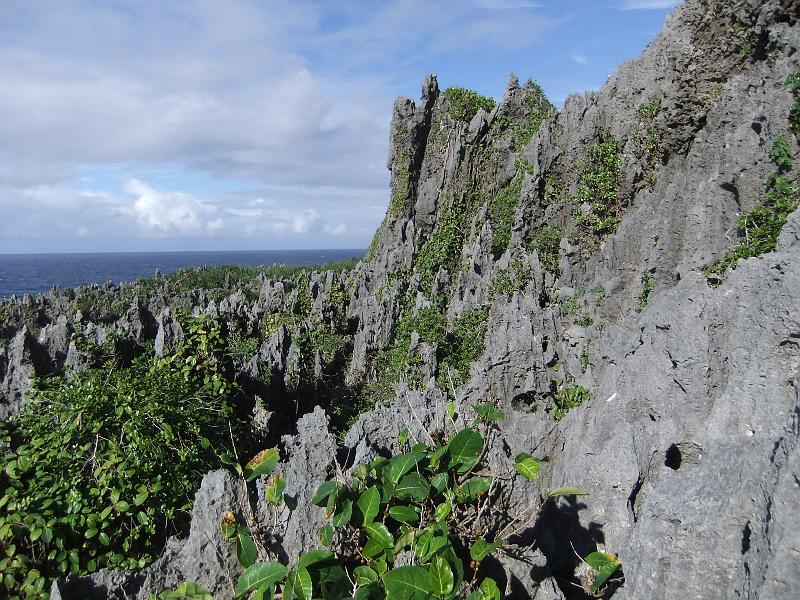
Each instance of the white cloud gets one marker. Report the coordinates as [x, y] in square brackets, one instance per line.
[335, 229]
[578, 58]
[649, 4]
[171, 213]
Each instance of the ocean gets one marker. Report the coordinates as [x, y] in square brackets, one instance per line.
[34, 273]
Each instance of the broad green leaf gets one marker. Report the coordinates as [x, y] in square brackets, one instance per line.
[314, 557]
[442, 511]
[527, 466]
[433, 547]
[441, 576]
[265, 592]
[404, 514]
[188, 590]
[366, 592]
[303, 586]
[406, 539]
[326, 535]
[465, 449]
[262, 463]
[451, 410]
[412, 487]
[488, 412]
[104, 539]
[372, 548]
[369, 504]
[400, 465]
[273, 492]
[436, 457]
[605, 564]
[326, 489]
[567, 491]
[246, 550]
[439, 482]
[365, 575]
[141, 497]
[260, 574]
[342, 516]
[228, 526]
[473, 487]
[408, 583]
[490, 589]
[403, 437]
[481, 549]
[378, 533]
[333, 581]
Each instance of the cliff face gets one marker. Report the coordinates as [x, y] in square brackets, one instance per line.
[570, 253]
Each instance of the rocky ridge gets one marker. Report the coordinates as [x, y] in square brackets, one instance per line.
[688, 443]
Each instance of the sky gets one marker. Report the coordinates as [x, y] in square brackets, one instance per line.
[144, 125]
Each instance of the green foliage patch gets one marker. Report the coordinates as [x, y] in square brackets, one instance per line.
[567, 398]
[430, 502]
[761, 227]
[545, 240]
[100, 467]
[599, 189]
[502, 209]
[463, 104]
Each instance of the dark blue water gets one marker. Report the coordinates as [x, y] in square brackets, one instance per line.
[33, 273]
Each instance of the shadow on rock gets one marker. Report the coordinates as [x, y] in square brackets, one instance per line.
[562, 539]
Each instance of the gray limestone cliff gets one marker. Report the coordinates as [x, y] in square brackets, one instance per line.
[688, 441]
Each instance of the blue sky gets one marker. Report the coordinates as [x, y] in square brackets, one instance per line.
[254, 124]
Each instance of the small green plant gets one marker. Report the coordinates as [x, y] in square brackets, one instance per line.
[553, 189]
[545, 240]
[565, 399]
[463, 104]
[604, 566]
[400, 181]
[650, 110]
[760, 227]
[443, 247]
[502, 209]
[647, 288]
[792, 83]
[429, 503]
[536, 109]
[781, 153]
[599, 189]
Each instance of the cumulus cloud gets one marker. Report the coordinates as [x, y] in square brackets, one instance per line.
[171, 213]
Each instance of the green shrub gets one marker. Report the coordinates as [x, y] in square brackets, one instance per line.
[431, 503]
[599, 188]
[792, 83]
[102, 466]
[566, 399]
[536, 109]
[443, 247]
[546, 241]
[761, 227]
[463, 104]
[647, 288]
[502, 210]
[463, 346]
[650, 110]
[781, 153]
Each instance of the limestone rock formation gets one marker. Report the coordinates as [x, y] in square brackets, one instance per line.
[688, 441]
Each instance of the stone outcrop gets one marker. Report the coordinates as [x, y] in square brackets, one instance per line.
[688, 443]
